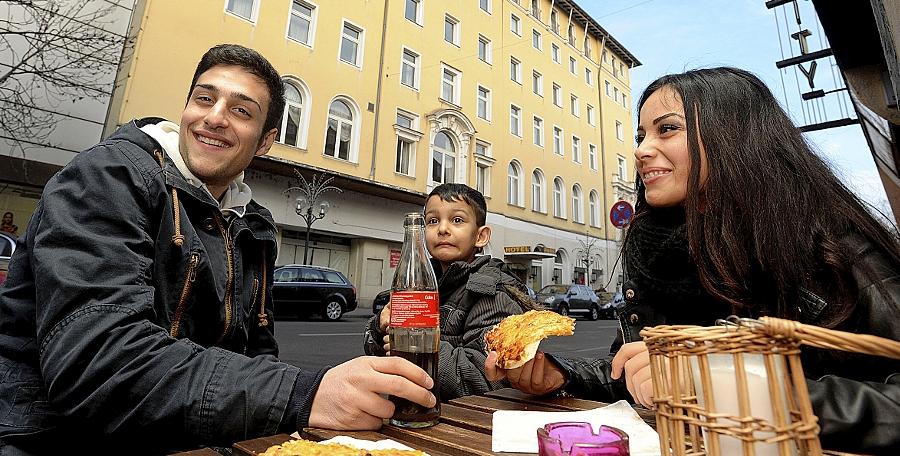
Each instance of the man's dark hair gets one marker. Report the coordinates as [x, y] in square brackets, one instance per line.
[462, 192]
[254, 63]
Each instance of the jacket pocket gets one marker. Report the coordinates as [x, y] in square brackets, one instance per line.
[28, 407]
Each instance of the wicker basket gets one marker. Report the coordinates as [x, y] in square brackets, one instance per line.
[738, 388]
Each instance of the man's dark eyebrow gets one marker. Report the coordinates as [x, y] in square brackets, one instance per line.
[238, 95]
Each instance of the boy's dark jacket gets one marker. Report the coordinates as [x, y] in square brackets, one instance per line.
[86, 354]
[474, 297]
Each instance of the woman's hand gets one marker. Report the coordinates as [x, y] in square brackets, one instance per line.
[634, 359]
[538, 376]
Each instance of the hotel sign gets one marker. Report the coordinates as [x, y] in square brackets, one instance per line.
[539, 248]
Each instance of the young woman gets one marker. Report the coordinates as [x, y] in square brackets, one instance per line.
[736, 215]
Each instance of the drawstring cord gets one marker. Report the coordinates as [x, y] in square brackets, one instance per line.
[177, 238]
[263, 318]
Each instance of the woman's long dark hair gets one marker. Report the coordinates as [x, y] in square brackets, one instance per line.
[770, 216]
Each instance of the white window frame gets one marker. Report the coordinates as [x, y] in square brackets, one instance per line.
[417, 68]
[559, 140]
[538, 191]
[537, 40]
[624, 101]
[576, 149]
[554, 21]
[431, 182]
[537, 131]
[554, 53]
[620, 131]
[594, 208]
[411, 136]
[515, 24]
[577, 203]
[557, 95]
[305, 108]
[516, 197]
[313, 19]
[518, 118]
[420, 13]
[486, 100]
[483, 3]
[559, 197]
[457, 84]
[575, 105]
[515, 69]
[608, 88]
[485, 162]
[356, 125]
[488, 49]
[360, 43]
[454, 31]
[588, 76]
[592, 156]
[573, 65]
[616, 94]
[591, 115]
[537, 83]
[254, 11]
[622, 168]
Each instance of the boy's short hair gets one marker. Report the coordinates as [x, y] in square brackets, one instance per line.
[462, 192]
[254, 63]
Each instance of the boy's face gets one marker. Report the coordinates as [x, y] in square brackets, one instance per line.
[451, 232]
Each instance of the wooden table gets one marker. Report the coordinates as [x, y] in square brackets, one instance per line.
[464, 429]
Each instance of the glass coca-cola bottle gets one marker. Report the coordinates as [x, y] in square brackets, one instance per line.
[415, 333]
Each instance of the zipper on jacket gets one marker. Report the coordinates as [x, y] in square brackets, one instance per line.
[229, 284]
[185, 292]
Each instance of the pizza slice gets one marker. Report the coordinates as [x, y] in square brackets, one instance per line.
[516, 338]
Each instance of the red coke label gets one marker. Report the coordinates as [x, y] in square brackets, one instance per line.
[415, 309]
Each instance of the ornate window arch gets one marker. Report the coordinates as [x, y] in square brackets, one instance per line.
[342, 130]
[295, 118]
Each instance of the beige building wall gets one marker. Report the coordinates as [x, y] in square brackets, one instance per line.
[174, 34]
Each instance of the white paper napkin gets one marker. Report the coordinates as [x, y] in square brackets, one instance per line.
[516, 431]
[385, 444]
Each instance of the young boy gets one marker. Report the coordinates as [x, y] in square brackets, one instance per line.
[476, 292]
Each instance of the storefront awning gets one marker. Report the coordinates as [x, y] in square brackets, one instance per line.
[528, 253]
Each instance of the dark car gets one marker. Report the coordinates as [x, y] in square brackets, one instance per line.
[303, 290]
[381, 300]
[7, 247]
[570, 299]
[610, 308]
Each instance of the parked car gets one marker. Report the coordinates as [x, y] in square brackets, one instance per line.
[303, 290]
[381, 300]
[570, 299]
[7, 247]
[610, 308]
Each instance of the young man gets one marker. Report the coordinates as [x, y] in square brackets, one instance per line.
[476, 292]
[138, 317]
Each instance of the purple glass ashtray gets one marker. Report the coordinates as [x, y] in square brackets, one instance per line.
[578, 439]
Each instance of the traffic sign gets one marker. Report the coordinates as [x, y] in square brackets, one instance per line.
[621, 213]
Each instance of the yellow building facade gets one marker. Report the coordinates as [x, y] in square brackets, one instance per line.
[527, 101]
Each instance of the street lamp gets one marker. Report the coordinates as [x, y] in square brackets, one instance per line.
[309, 206]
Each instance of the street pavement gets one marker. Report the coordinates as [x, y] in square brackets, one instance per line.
[313, 343]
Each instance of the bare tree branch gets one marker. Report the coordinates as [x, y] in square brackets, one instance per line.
[53, 52]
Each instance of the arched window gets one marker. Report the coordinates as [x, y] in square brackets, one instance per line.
[538, 192]
[559, 198]
[443, 159]
[594, 202]
[577, 204]
[514, 184]
[339, 136]
[292, 119]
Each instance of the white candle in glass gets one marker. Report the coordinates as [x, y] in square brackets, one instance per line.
[725, 396]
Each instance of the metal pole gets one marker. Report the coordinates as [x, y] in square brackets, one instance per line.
[306, 243]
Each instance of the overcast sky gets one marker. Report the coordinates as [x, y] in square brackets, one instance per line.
[671, 36]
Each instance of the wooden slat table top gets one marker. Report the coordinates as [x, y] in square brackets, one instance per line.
[465, 427]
